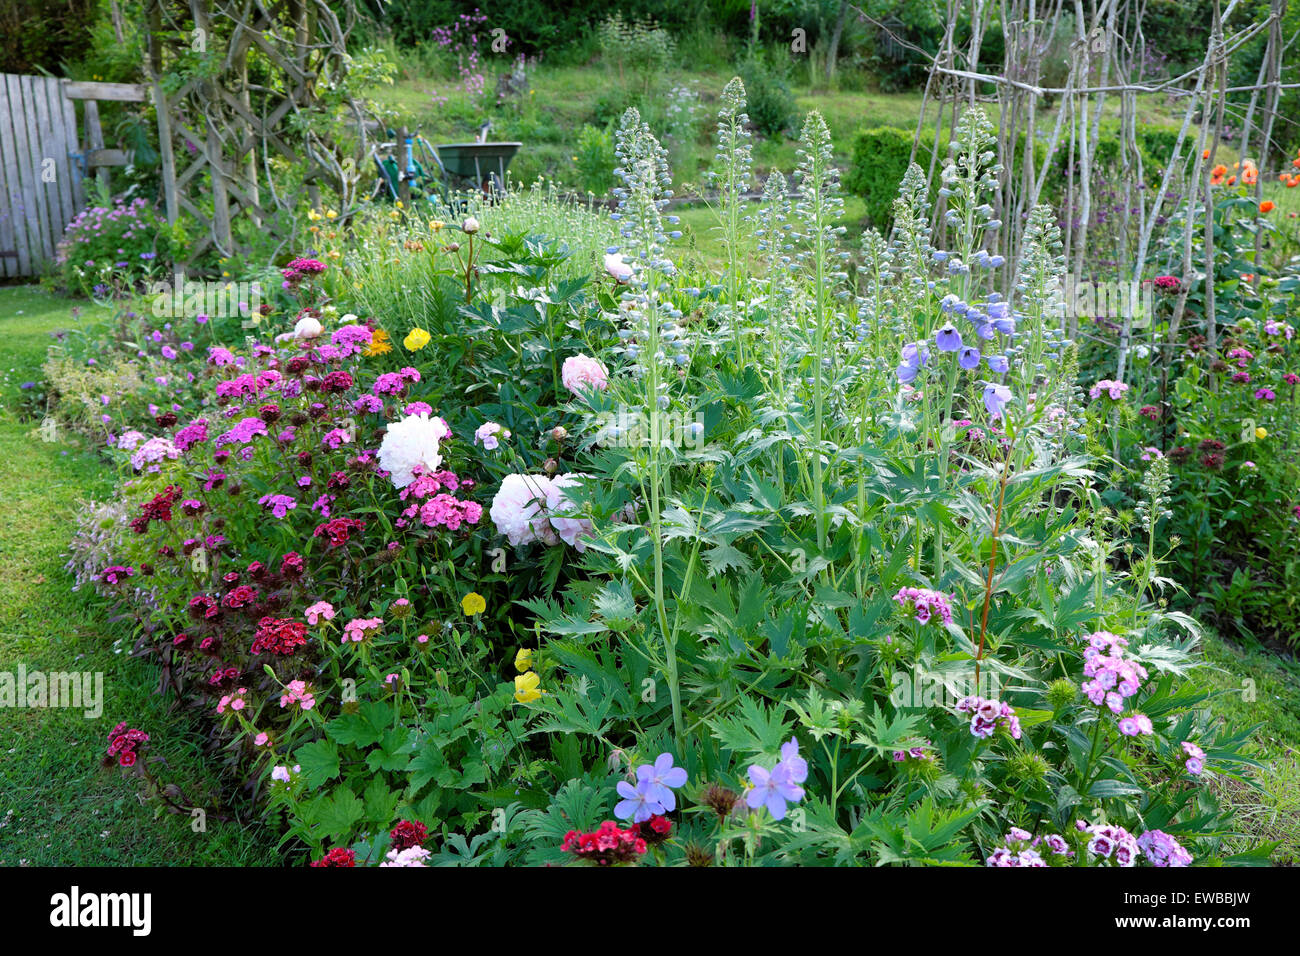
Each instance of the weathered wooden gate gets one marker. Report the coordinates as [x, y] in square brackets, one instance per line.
[42, 165]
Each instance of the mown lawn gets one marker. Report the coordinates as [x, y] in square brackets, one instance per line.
[1262, 687]
[58, 805]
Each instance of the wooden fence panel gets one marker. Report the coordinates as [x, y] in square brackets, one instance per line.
[18, 200]
[42, 164]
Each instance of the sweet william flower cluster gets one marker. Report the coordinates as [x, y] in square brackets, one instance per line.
[925, 604]
[987, 715]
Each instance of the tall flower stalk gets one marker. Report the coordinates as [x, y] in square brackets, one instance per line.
[656, 341]
[735, 157]
[819, 207]
[771, 229]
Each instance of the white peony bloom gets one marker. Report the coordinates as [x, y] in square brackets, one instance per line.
[410, 442]
[518, 510]
[572, 530]
[307, 328]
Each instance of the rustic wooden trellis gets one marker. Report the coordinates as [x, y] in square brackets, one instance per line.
[218, 129]
[1105, 56]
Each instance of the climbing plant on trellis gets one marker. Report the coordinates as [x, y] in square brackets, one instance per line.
[255, 115]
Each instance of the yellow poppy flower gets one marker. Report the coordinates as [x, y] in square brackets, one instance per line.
[416, 339]
[473, 603]
[524, 659]
[1261, 432]
[526, 687]
[435, 225]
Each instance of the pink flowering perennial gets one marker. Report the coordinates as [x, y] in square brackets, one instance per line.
[987, 715]
[925, 604]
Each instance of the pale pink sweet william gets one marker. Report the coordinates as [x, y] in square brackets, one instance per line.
[359, 628]
[297, 692]
[987, 714]
[318, 611]
[1195, 758]
[487, 435]
[925, 603]
[1112, 388]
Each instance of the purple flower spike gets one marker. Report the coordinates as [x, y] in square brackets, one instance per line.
[914, 359]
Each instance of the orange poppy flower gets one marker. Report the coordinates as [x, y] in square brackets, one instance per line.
[1266, 206]
[1232, 180]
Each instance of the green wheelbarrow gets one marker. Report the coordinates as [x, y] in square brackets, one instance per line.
[479, 166]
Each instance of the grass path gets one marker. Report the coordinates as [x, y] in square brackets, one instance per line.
[58, 805]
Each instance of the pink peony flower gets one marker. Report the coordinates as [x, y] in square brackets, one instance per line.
[582, 373]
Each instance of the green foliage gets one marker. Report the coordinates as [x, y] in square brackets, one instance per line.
[879, 159]
[44, 37]
[113, 247]
[772, 549]
[1226, 420]
[595, 160]
[771, 105]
